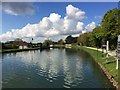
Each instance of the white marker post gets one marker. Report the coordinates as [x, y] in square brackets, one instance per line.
[118, 52]
[117, 63]
[107, 45]
[107, 48]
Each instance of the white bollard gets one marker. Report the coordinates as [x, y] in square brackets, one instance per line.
[117, 63]
[107, 46]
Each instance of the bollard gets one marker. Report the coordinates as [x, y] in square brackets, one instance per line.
[117, 63]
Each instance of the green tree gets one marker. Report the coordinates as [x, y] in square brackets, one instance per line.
[84, 39]
[71, 40]
[96, 37]
[111, 26]
[47, 43]
[61, 41]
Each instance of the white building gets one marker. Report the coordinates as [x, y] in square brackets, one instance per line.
[23, 47]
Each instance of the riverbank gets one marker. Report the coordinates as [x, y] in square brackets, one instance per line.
[108, 68]
[27, 49]
[18, 50]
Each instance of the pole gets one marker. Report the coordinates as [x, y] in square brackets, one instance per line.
[107, 45]
[117, 63]
[107, 48]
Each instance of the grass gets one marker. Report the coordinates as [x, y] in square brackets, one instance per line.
[97, 55]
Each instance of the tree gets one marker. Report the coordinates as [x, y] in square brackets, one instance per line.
[61, 41]
[84, 39]
[108, 30]
[111, 26]
[70, 39]
[47, 43]
[96, 37]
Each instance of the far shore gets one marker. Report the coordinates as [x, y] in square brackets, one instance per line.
[17, 50]
[27, 49]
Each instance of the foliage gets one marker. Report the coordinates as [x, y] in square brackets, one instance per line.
[9, 46]
[107, 31]
[70, 39]
[47, 43]
[96, 37]
[111, 27]
[61, 42]
[84, 39]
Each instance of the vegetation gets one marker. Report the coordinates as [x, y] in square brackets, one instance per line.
[61, 42]
[108, 30]
[84, 39]
[70, 40]
[47, 43]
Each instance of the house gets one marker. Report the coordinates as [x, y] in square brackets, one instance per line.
[23, 47]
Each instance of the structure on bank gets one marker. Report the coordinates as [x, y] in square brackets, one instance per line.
[118, 51]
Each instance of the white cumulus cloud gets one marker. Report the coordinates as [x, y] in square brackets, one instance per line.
[90, 26]
[52, 26]
[74, 13]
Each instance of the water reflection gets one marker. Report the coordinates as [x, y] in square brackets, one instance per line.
[51, 68]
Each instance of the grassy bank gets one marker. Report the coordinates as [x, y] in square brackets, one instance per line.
[98, 56]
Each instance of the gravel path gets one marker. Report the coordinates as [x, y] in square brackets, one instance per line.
[111, 53]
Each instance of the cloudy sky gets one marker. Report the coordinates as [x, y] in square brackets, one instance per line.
[50, 20]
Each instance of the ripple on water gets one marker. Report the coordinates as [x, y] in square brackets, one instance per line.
[66, 86]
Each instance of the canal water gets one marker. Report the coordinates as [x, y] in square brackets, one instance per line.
[56, 68]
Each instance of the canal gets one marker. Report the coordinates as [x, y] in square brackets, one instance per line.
[56, 68]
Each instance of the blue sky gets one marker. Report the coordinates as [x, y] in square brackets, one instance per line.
[93, 13]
